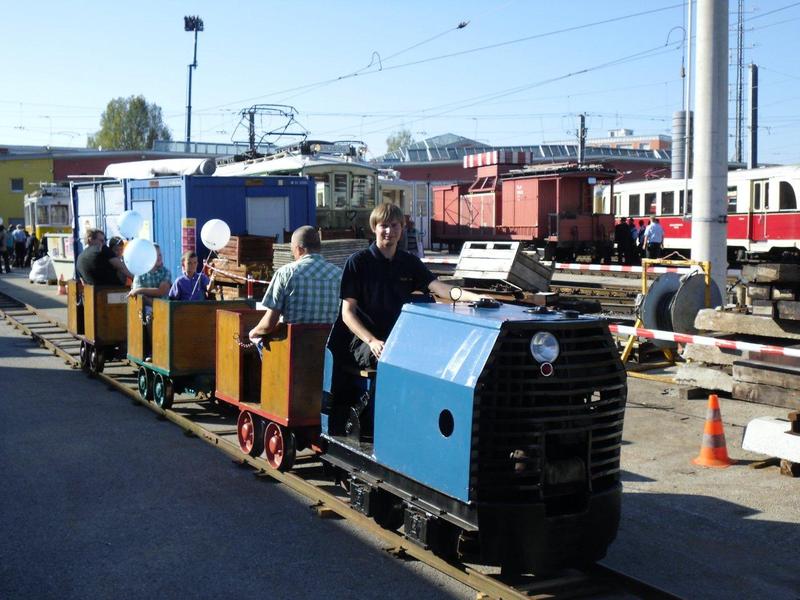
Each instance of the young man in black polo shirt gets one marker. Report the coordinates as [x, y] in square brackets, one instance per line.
[377, 282]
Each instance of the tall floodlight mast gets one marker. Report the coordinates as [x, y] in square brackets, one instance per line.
[191, 23]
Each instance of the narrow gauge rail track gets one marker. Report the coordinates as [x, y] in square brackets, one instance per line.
[203, 419]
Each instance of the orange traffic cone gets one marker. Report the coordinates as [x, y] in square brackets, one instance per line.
[713, 451]
[62, 286]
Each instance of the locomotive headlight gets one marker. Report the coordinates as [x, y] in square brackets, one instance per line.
[544, 347]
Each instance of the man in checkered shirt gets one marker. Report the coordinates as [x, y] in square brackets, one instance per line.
[304, 291]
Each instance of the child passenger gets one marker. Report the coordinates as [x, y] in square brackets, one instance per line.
[191, 285]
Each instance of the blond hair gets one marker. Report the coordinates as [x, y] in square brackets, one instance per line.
[385, 213]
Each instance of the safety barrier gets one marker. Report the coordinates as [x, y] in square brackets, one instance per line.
[685, 338]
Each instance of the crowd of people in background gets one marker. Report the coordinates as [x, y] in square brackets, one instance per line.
[17, 246]
[637, 241]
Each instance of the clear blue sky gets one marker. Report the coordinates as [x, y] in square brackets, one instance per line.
[65, 60]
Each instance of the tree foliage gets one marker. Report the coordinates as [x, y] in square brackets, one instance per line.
[399, 139]
[130, 124]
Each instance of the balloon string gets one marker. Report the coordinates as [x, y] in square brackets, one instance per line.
[205, 266]
[235, 276]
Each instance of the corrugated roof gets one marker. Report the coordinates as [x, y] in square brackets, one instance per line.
[432, 154]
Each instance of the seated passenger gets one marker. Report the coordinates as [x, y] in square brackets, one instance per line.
[191, 285]
[304, 291]
[117, 245]
[155, 283]
[377, 282]
[98, 264]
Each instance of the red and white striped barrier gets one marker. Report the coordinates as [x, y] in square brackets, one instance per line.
[684, 338]
[632, 268]
[236, 276]
[619, 268]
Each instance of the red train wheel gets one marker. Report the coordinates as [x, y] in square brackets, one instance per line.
[280, 447]
[250, 431]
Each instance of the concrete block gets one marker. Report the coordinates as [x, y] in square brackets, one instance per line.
[783, 293]
[711, 355]
[763, 308]
[771, 436]
[772, 272]
[709, 378]
[710, 319]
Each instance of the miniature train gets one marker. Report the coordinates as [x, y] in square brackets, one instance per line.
[762, 212]
[554, 207]
[499, 444]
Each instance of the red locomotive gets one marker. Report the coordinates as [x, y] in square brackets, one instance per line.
[557, 207]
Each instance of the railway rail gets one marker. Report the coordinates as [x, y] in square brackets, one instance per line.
[203, 419]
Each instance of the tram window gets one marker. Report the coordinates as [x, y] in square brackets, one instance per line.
[650, 204]
[633, 205]
[760, 195]
[786, 197]
[340, 195]
[667, 203]
[59, 215]
[359, 191]
[617, 203]
[680, 203]
[323, 190]
[41, 215]
[17, 184]
[733, 196]
[371, 190]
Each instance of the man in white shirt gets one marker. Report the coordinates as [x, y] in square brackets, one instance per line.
[654, 239]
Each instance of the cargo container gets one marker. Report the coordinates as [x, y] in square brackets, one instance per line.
[175, 208]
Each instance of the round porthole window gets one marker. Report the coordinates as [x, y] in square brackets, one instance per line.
[446, 423]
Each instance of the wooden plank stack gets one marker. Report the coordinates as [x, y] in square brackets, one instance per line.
[335, 251]
[503, 261]
[248, 249]
[243, 256]
[773, 295]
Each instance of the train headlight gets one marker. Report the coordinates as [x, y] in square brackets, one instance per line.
[544, 347]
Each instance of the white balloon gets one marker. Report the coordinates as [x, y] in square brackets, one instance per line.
[139, 256]
[130, 223]
[215, 234]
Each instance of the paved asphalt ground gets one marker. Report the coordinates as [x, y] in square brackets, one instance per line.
[100, 499]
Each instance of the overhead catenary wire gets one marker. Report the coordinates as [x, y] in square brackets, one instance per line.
[452, 54]
[477, 100]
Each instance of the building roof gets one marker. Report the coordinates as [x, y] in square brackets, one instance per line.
[19, 152]
[439, 149]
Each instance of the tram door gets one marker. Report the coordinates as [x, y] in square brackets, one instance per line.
[268, 216]
[422, 213]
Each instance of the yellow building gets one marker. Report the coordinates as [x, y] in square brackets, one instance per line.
[21, 174]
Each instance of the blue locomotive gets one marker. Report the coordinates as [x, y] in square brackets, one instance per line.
[496, 438]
